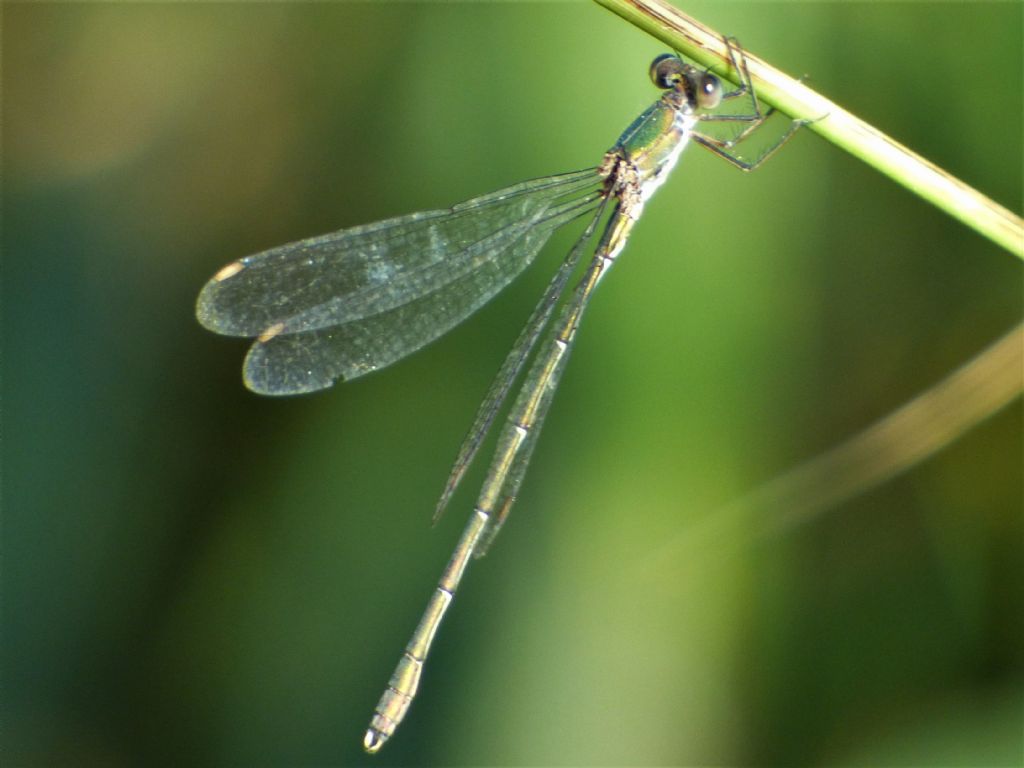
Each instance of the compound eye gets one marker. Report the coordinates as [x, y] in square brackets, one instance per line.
[666, 71]
[709, 91]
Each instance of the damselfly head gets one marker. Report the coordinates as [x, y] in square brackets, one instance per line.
[702, 89]
[708, 90]
[667, 70]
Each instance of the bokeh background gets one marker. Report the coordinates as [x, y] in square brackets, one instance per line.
[194, 575]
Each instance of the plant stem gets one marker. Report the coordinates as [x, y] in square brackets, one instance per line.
[824, 117]
[939, 416]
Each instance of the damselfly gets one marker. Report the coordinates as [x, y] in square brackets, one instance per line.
[354, 301]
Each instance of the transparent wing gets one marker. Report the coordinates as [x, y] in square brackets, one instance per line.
[513, 365]
[347, 303]
[363, 270]
[519, 436]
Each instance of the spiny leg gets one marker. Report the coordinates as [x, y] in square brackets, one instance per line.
[754, 120]
[756, 117]
[739, 65]
[721, 148]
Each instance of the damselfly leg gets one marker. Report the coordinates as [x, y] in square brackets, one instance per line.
[754, 120]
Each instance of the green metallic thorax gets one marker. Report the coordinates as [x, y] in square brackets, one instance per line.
[653, 141]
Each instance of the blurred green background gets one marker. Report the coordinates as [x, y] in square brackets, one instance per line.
[196, 575]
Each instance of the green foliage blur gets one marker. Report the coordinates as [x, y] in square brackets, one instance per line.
[195, 575]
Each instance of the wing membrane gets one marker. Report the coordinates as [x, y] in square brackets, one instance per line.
[362, 271]
[513, 365]
[519, 435]
[309, 337]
